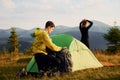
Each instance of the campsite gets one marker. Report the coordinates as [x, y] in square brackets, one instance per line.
[59, 39]
[88, 65]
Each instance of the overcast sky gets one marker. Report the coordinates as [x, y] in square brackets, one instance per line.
[28, 14]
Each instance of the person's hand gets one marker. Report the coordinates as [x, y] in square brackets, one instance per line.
[84, 20]
[64, 47]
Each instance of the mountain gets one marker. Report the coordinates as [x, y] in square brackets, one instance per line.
[99, 27]
[96, 33]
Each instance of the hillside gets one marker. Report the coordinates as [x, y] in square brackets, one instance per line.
[96, 33]
[11, 64]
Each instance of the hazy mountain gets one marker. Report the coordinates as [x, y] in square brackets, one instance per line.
[96, 33]
[99, 27]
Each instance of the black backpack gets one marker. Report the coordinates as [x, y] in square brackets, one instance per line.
[66, 61]
[65, 57]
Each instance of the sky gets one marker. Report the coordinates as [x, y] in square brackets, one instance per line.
[28, 14]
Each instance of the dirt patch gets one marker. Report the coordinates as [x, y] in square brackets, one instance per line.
[109, 64]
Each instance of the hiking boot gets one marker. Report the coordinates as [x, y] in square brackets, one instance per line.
[52, 73]
[40, 74]
[21, 73]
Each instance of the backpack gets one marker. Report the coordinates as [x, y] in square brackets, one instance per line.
[66, 61]
[64, 56]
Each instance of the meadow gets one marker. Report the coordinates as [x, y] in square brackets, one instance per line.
[10, 64]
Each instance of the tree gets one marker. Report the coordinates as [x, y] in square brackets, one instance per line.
[13, 41]
[113, 37]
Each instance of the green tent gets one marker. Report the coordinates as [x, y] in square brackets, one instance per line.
[82, 57]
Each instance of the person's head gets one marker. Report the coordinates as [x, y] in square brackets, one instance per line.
[84, 22]
[49, 26]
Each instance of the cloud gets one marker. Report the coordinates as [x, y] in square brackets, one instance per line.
[67, 12]
[7, 4]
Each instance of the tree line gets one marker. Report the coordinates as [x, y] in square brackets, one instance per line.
[112, 36]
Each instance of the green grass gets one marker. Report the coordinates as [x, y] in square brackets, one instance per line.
[11, 64]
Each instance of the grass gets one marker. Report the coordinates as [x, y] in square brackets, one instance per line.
[11, 63]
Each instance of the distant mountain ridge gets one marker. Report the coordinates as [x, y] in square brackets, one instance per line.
[96, 33]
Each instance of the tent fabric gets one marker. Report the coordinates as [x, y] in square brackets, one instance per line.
[82, 57]
[32, 66]
[62, 40]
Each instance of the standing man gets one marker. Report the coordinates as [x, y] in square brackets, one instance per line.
[84, 31]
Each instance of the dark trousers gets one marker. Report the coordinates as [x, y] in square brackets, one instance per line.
[46, 61]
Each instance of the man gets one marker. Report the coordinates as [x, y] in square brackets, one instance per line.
[43, 45]
[42, 40]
